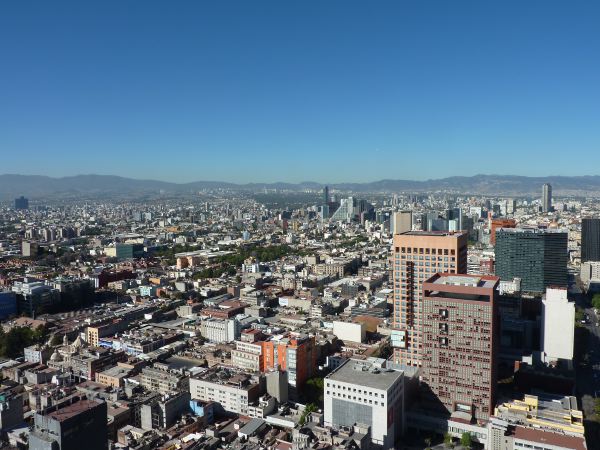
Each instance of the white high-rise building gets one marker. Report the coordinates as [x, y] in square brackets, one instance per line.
[401, 222]
[558, 327]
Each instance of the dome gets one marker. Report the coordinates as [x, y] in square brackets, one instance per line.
[56, 357]
[79, 343]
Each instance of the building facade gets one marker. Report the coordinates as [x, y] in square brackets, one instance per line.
[417, 255]
[547, 198]
[460, 344]
[590, 239]
[76, 425]
[558, 327]
[360, 392]
[537, 257]
[401, 222]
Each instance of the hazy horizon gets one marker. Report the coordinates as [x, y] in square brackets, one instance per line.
[332, 91]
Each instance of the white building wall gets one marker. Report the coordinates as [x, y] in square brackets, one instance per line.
[349, 331]
[381, 401]
[558, 325]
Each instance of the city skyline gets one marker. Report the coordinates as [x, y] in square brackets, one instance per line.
[251, 93]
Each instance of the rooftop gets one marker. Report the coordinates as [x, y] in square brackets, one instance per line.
[73, 410]
[433, 233]
[476, 281]
[365, 373]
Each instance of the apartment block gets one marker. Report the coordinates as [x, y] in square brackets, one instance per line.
[416, 256]
[460, 344]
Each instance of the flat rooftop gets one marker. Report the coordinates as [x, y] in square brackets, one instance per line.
[73, 410]
[365, 373]
[433, 233]
[476, 281]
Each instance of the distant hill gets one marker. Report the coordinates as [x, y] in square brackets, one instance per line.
[97, 185]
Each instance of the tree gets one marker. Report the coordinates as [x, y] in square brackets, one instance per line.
[311, 407]
[466, 440]
[596, 301]
[448, 440]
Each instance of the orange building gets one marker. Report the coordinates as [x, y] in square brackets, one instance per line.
[500, 223]
[295, 354]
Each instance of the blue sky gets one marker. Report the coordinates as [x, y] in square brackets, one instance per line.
[326, 91]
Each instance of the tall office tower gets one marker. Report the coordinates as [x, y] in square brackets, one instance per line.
[417, 255]
[590, 239]
[401, 222]
[77, 425]
[537, 257]
[326, 195]
[460, 344]
[547, 198]
[21, 203]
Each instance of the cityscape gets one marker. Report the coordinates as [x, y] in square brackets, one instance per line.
[316, 225]
[356, 320]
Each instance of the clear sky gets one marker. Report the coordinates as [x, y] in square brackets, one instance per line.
[320, 90]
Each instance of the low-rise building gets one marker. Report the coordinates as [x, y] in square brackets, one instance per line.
[235, 391]
[362, 392]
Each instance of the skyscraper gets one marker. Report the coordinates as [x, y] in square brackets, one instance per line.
[547, 198]
[417, 255]
[21, 203]
[590, 239]
[326, 195]
[401, 222]
[460, 343]
[537, 257]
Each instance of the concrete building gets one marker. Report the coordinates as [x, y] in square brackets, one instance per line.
[234, 391]
[11, 411]
[460, 344]
[163, 381]
[350, 331]
[590, 271]
[163, 412]
[547, 198]
[537, 257]
[401, 222]
[37, 353]
[558, 327]
[73, 426]
[114, 377]
[360, 392]
[220, 330]
[537, 422]
[418, 255]
[277, 385]
[247, 355]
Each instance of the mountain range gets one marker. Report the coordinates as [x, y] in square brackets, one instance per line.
[96, 185]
